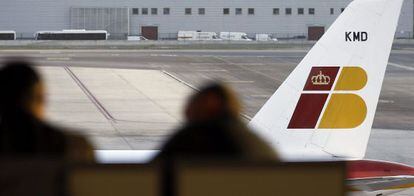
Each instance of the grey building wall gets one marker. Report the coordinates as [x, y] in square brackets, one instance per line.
[263, 21]
[29, 16]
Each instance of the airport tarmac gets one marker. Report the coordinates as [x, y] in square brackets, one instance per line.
[132, 99]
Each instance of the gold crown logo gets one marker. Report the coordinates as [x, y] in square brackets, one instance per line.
[321, 79]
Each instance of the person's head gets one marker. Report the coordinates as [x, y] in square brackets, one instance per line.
[21, 89]
[213, 101]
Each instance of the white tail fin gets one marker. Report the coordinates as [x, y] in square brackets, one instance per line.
[326, 107]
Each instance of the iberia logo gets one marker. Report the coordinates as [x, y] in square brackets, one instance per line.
[323, 107]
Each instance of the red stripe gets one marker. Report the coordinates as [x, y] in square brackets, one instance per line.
[307, 111]
[321, 78]
[372, 169]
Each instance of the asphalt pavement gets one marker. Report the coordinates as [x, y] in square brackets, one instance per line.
[255, 75]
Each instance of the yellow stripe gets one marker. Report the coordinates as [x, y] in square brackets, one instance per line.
[351, 79]
[406, 186]
[344, 111]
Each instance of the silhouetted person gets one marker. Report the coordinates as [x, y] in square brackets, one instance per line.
[22, 129]
[213, 129]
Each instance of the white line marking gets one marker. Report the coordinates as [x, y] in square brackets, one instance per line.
[402, 52]
[206, 77]
[49, 52]
[247, 117]
[212, 70]
[386, 101]
[249, 64]
[261, 96]
[401, 66]
[240, 81]
[58, 59]
[179, 80]
[241, 56]
[90, 95]
[164, 55]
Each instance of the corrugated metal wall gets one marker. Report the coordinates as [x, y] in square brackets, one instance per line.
[114, 20]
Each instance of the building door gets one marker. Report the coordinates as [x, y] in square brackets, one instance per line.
[315, 32]
[150, 32]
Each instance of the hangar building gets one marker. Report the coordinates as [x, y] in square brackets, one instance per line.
[162, 19]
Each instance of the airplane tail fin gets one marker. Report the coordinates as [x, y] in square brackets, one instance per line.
[326, 106]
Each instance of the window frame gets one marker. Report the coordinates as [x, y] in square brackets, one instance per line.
[249, 11]
[226, 10]
[154, 11]
[144, 11]
[202, 11]
[135, 11]
[311, 11]
[165, 12]
[332, 11]
[301, 11]
[288, 11]
[188, 11]
[276, 11]
[238, 11]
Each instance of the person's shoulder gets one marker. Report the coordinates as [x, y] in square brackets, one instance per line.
[68, 133]
[253, 146]
[49, 129]
[75, 139]
[78, 147]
